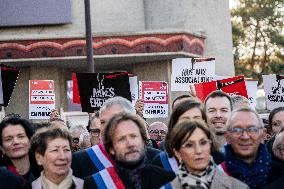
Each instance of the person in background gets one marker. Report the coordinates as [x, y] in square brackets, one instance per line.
[218, 108]
[275, 124]
[76, 132]
[94, 128]
[85, 140]
[157, 131]
[189, 109]
[239, 101]
[15, 145]
[91, 160]
[191, 142]
[60, 123]
[125, 142]
[276, 120]
[278, 157]
[181, 99]
[52, 149]
[246, 157]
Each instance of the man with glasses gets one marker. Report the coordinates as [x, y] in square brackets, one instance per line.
[157, 131]
[246, 157]
[94, 128]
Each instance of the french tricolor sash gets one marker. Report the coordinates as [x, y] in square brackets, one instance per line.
[170, 164]
[108, 179]
[99, 157]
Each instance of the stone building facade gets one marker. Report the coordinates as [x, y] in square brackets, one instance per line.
[139, 36]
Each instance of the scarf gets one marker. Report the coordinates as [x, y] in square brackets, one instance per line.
[254, 174]
[131, 173]
[65, 184]
[200, 181]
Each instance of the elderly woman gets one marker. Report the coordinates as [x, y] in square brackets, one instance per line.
[191, 143]
[15, 145]
[52, 149]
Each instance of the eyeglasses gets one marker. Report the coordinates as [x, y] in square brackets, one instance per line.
[75, 140]
[203, 145]
[277, 123]
[156, 131]
[95, 131]
[239, 131]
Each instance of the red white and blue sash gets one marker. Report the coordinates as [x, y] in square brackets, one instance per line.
[108, 179]
[99, 157]
[170, 164]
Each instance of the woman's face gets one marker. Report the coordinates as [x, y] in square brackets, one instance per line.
[277, 122]
[192, 114]
[195, 152]
[15, 143]
[56, 160]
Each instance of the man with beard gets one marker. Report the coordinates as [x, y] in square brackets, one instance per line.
[218, 107]
[125, 141]
[92, 160]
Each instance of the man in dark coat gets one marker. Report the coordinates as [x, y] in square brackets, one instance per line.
[125, 140]
[11, 181]
[94, 159]
[246, 157]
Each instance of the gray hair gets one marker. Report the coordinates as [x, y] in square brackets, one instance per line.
[238, 99]
[277, 142]
[247, 110]
[122, 102]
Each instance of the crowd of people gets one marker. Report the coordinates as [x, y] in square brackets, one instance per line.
[220, 143]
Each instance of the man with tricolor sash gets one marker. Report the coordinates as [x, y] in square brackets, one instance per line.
[92, 160]
[125, 141]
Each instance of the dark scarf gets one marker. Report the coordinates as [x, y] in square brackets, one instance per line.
[254, 174]
[131, 174]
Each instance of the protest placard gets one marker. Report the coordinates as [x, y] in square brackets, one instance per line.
[274, 90]
[96, 88]
[8, 79]
[133, 88]
[232, 86]
[41, 98]
[71, 106]
[155, 97]
[188, 71]
[251, 85]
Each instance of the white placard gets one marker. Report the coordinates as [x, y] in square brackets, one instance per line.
[251, 90]
[133, 89]
[155, 97]
[41, 98]
[186, 72]
[274, 90]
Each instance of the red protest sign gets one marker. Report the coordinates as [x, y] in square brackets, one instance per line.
[232, 86]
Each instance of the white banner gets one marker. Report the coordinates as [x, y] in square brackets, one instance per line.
[188, 71]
